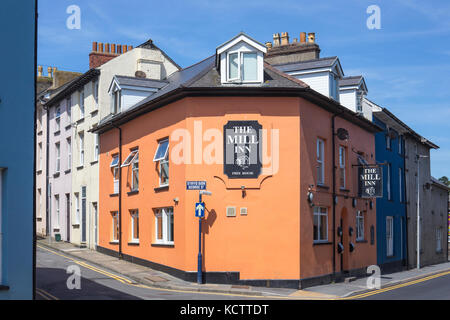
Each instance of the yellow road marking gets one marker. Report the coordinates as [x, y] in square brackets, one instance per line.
[46, 294]
[409, 283]
[295, 296]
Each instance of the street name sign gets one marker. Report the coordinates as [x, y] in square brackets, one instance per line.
[195, 185]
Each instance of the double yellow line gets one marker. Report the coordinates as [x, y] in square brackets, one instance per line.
[127, 281]
[390, 288]
[45, 294]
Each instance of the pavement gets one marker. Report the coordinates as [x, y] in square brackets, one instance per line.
[138, 274]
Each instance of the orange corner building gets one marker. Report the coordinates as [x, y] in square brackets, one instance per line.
[280, 214]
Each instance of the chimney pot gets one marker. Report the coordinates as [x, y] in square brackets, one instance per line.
[302, 37]
[276, 39]
[94, 46]
[124, 48]
[284, 38]
[269, 45]
[107, 48]
[130, 48]
[311, 37]
[100, 47]
[49, 71]
[40, 69]
[119, 49]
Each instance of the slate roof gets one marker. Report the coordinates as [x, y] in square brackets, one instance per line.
[350, 81]
[204, 79]
[140, 82]
[310, 64]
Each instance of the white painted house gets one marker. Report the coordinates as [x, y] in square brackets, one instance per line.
[352, 91]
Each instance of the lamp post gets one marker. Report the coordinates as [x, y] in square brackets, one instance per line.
[418, 208]
[199, 257]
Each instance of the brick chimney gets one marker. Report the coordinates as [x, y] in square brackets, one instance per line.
[101, 54]
[284, 52]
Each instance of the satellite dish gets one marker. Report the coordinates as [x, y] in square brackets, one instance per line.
[342, 134]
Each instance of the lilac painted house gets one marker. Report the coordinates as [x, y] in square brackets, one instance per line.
[59, 168]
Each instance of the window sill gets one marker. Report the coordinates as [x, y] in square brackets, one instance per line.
[94, 162]
[39, 218]
[56, 175]
[76, 225]
[361, 241]
[80, 167]
[39, 171]
[4, 288]
[439, 251]
[133, 192]
[68, 126]
[67, 171]
[133, 243]
[94, 112]
[114, 195]
[344, 190]
[81, 120]
[39, 132]
[322, 186]
[56, 132]
[317, 243]
[167, 245]
[161, 188]
[114, 242]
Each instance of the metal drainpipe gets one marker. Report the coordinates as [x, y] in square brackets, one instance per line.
[406, 202]
[334, 192]
[120, 190]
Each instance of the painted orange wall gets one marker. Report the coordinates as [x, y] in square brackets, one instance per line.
[274, 241]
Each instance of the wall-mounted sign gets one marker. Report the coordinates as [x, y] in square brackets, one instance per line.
[195, 185]
[242, 143]
[370, 182]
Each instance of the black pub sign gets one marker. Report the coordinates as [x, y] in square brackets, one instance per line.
[242, 143]
[370, 184]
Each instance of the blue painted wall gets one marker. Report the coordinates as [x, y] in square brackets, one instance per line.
[17, 94]
[395, 207]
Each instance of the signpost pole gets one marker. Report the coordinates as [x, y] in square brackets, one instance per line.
[199, 266]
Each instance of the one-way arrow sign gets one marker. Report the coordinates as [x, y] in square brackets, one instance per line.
[199, 209]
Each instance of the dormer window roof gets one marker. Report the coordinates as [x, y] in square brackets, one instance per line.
[241, 60]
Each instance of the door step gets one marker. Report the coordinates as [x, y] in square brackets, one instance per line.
[349, 279]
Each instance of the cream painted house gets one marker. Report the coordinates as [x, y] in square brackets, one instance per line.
[92, 102]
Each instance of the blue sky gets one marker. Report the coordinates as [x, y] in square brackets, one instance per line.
[406, 63]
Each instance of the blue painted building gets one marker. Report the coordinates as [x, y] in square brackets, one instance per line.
[17, 114]
[391, 208]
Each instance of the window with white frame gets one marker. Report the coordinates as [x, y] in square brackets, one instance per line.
[134, 225]
[96, 147]
[133, 160]
[162, 156]
[40, 156]
[342, 167]
[242, 66]
[320, 224]
[69, 153]
[57, 210]
[388, 182]
[57, 157]
[69, 110]
[359, 97]
[81, 146]
[95, 90]
[359, 225]
[115, 170]
[400, 144]
[77, 208]
[320, 162]
[115, 101]
[438, 239]
[39, 194]
[164, 223]
[389, 236]
[115, 226]
[57, 119]
[388, 140]
[81, 104]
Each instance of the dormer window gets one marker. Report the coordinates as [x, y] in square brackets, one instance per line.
[241, 60]
[242, 66]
